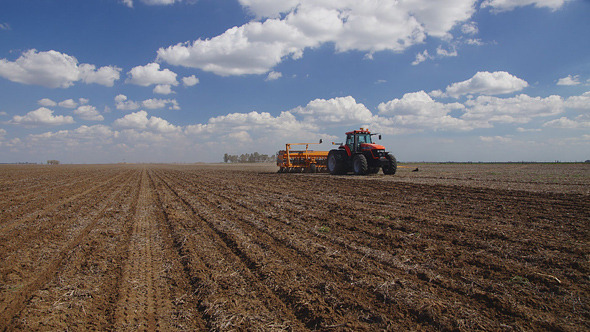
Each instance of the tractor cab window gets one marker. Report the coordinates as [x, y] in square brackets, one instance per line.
[350, 142]
[364, 138]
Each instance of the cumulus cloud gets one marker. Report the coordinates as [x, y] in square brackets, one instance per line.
[486, 83]
[469, 28]
[68, 103]
[335, 111]
[569, 80]
[163, 89]
[53, 69]
[506, 5]
[579, 102]
[104, 76]
[190, 80]
[155, 103]
[273, 75]
[293, 26]
[580, 122]
[41, 117]
[519, 109]
[121, 103]
[89, 113]
[495, 139]
[140, 120]
[46, 102]
[421, 57]
[418, 110]
[151, 74]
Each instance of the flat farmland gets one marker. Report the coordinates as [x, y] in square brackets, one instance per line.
[238, 247]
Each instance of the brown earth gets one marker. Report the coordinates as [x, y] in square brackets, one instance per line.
[240, 247]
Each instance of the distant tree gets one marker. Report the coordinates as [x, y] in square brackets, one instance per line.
[52, 162]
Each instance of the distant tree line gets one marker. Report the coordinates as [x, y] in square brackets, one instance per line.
[248, 158]
[52, 162]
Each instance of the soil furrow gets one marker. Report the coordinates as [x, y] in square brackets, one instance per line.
[13, 304]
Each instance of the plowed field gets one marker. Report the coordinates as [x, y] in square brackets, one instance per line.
[189, 247]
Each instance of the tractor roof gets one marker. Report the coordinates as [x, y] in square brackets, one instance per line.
[361, 131]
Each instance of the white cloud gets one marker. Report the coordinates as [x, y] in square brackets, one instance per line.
[469, 28]
[417, 110]
[190, 80]
[580, 122]
[273, 75]
[519, 109]
[83, 101]
[53, 69]
[335, 111]
[486, 83]
[104, 76]
[129, 3]
[421, 57]
[89, 113]
[444, 53]
[121, 103]
[569, 80]
[41, 117]
[505, 5]
[46, 102]
[160, 103]
[140, 120]
[68, 103]
[159, 2]
[5, 26]
[495, 139]
[163, 89]
[579, 102]
[362, 25]
[151, 74]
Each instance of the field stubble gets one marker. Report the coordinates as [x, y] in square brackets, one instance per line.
[212, 247]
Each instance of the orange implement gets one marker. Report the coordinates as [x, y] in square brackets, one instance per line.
[291, 161]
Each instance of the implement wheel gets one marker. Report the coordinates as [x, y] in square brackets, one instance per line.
[313, 168]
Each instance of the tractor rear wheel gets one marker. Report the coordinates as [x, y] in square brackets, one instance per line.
[360, 165]
[391, 167]
[335, 162]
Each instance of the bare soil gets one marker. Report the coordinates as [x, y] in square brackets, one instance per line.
[241, 247]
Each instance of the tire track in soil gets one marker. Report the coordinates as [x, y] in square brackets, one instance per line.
[13, 305]
[145, 299]
[28, 218]
[88, 281]
[31, 246]
[212, 263]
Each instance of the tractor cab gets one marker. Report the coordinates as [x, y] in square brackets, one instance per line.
[358, 141]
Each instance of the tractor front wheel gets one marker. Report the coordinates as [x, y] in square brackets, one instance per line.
[391, 167]
[359, 162]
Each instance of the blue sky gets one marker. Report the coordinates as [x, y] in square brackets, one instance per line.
[106, 81]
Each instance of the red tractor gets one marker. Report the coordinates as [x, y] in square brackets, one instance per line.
[360, 155]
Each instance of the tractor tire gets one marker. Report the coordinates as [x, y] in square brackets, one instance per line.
[391, 166]
[360, 164]
[336, 163]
